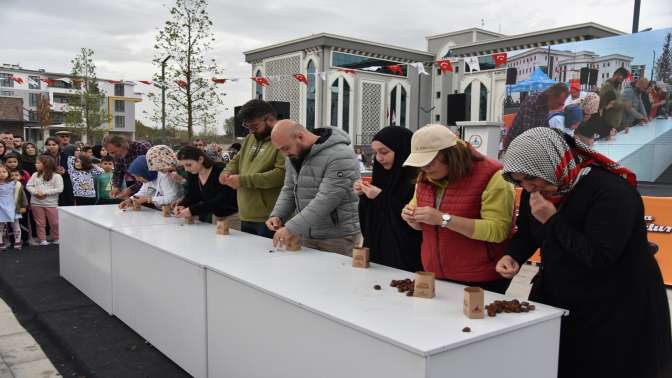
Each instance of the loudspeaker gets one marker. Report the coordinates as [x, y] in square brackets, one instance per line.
[457, 108]
[592, 78]
[585, 72]
[511, 75]
[281, 109]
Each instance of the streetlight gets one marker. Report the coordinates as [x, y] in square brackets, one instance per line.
[653, 63]
[163, 99]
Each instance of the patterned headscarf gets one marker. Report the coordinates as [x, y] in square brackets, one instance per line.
[557, 158]
[161, 157]
[591, 103]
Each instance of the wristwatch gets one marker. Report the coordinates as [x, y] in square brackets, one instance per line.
[445, 219]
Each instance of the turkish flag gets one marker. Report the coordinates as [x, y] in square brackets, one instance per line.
[301, 78]
[445, 66]
[499, 59]
[261, 81]
[181, 83]
[17, 79]
[218, 81]
[145, 82]
[396, 69]
[114, 81]
[48, 81]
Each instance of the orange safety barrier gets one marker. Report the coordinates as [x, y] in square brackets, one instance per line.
[658, 216]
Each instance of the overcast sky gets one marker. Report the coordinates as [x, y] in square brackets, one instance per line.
[47, 33]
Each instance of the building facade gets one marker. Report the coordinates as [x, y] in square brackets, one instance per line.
[361, 86]
[28, 87]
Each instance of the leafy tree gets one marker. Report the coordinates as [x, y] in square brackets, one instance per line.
[664, 64]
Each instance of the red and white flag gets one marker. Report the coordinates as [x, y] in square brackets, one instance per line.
[445, 66]
[147, 82]
[17, 79]
[218, 81]
[301, 78]
[500, 59]
[347, 70]
[395, 69]
[261, 81]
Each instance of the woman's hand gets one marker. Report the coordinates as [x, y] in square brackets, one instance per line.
[182, 212]
[507, 267]
[408, 215]
[369, 190]
[357, 187]
[123, 205]
[542, 209]
[428, 215]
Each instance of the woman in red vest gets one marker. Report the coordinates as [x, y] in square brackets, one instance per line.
[462, 205]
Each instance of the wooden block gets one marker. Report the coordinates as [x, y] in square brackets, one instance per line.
[189, 220]
[136, 206]
[166, 211]
[424, 285]
[222, 227]
[360, 257]
[474, 303]
[294, 243]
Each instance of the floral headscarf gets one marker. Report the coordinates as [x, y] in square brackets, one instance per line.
[161, 157]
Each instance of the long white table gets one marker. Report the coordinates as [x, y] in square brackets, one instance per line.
[224, 306]
[85, 258]
[646, 149]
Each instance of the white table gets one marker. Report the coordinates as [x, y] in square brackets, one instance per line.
[310, 314]
[85, 251]
[646, 150]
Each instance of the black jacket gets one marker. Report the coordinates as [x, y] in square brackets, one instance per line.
[211, 198]
[596, 263]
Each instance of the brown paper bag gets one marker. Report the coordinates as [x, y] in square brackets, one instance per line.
[424, 285]
[189, 220]
[474, 302]
[166, 211]
[136, 206]
[360, 257]
[293, 243]
[222, 227]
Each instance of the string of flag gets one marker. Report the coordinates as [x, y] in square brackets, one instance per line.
[444, 65]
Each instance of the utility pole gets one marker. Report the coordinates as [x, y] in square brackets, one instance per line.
[163, 99]
[635, 17]
[653, 64]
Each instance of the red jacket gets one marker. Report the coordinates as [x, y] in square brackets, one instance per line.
[451, 255]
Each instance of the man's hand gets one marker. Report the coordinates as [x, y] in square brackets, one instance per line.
[281, 237]
[233, 181]
[428, 215]
[141, 200]
[124, 195]
[223, 177]
[182, 212]
[123, 205]
[542, 209]
[274, 223]
[357, 187]
[507, 267]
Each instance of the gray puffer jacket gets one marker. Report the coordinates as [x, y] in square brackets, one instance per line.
[321, 192]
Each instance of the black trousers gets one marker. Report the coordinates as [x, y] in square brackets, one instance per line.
[85, 201]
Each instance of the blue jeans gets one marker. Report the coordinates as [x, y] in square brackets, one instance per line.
[256, 228]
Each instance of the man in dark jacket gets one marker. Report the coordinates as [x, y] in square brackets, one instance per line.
[320, 170]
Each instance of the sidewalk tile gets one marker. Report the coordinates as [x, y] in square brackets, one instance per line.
[35, 369]
[19, 348]
[9, 324]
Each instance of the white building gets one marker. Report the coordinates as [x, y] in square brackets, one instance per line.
[29, 85]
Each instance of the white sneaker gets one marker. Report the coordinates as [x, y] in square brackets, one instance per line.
[44, 242]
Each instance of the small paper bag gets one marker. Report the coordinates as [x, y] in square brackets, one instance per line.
[166, 211]
[424, 285]
[189, 220]
[360, 257]
[136, 206]
[474, 303]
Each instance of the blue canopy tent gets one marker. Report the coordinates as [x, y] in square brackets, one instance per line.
[538, 81]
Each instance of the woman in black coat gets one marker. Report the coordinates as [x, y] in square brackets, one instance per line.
[391, 241]
[585, 214]
[204, 196]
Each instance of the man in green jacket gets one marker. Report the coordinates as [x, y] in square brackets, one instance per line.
[257, 172]
[611, 102]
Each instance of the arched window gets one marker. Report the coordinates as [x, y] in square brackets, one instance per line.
[258, 89]
[398, 100]
[310, 95]
[340, 104]
[483, 104]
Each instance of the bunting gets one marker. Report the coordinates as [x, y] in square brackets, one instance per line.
[301, 78]
[260, 80]
[445, 66]
[500, 59]
[147, 82]
[395, 68]
[218, 81]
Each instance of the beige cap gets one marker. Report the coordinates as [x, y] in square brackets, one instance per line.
[427, 142]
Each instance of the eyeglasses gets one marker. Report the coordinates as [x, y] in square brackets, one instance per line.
[255, 125]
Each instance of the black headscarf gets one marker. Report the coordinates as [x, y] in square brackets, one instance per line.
[390, 240]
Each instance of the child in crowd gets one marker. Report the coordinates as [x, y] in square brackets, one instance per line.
[10, 209]
[104, 181]
[12, 161]
[44, 186]
[566, 120]
[157, 189]
[82, 173]
[21, 206]
[88, 152]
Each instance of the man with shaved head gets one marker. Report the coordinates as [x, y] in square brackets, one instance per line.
[320, 170]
